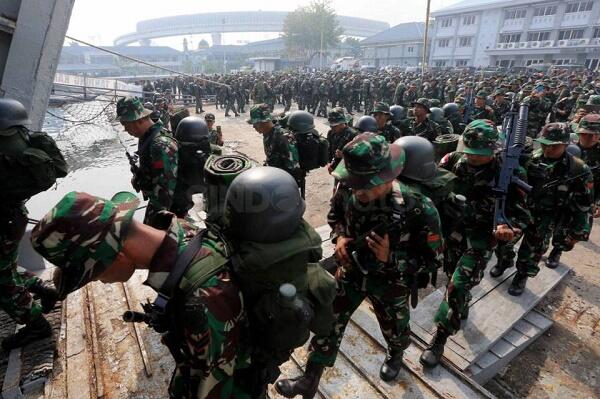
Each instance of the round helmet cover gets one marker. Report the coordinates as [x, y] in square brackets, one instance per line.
[398, 113]
[419, 163]
[301, 122]
[450, 109]
[263, 204]
[366, 123]
[192, 129]
[12, 113]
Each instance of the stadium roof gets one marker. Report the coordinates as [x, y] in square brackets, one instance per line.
[410, 31]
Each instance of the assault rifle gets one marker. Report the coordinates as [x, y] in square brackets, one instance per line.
[468, 108]
[557, 182]
[134, 167]
[514, 127]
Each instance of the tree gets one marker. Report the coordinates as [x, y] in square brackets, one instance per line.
[354, 44]
[311, 28]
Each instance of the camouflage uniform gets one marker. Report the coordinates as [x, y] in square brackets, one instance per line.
[337, 141]
[427, 129]
[214, 136]
[212, 314]
[564, 107]
[389, 131]
[568, 204]
[473, 249]
[387, 285]
[279, 145]
[157, 175]
[539, 108]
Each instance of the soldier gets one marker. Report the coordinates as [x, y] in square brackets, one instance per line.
[562, 195]
[338, 136]
[399, 119]
[480, 109]
[322, 98]
[26, 168]
[476, 168]
[197, 92]
[588, 142]
[280, 146]
[366, 123]
[230, 96]
[421, 125]
[539, 108]
[453, 114]
[437, 116]
[287, 94]
[205, 324]
[215, 134]
[367, 96]
[381, 113]
[410, 95]
[399, 94]
[500, 106]
[385, 267]
[156, 176]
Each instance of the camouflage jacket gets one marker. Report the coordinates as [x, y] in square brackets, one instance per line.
[485, 112]
[476, 184]
[499, 111]
[419, 236]
[563, 108]
[337, 141]
[427, 129]
[157, 176]
[570, 200]
[212, 315]
[390, 132]
[458, 124]
[215, 137]
[591, 156]
[538, 111]
[280, 149]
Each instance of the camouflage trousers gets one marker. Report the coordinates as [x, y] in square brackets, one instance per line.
[536, 241]
[389, 296]
[473, 255]
[15, 298]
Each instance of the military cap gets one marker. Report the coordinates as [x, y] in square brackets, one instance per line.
[481, 94]
[460, 100]
[590, 124]
[131, 109]
[82, 235]
[259, 113]
[577, 89]
[468, 84]
[422, 102]
[554, 133]
[209, 116]
[337, 116]
[594, 99]
[480, 137]
[381, 107]
[369, 161]
[499, 92]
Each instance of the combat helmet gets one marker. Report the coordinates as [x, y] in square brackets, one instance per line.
[301, 122]
[192, 129]
[450, 109]
[264, 205]
[366, 123]
[12, 113]
[419, 163]
[398, 113]
[436, 115]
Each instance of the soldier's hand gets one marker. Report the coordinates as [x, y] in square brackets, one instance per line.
[329, 168]
[571, 241]
[505, 233]
[339, 154]
[380, 246]
[596, 212]
[341, 251]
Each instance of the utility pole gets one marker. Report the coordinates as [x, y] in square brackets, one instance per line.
[224, 53]
[426, 39]
[321, 50]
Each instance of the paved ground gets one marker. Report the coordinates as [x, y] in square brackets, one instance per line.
[562, 363]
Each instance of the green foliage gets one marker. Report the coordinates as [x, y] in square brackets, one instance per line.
[304, 27]
[354, 44]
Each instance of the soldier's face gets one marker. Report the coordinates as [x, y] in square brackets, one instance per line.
[554, 151]
[381, 119]
[420, 111]
[210, 123]
[479, 102]
[587, 140]
[373, 193]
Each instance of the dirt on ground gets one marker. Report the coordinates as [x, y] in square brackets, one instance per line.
[563, 363]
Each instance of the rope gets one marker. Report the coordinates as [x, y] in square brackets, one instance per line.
[82, 121]
[144, 62]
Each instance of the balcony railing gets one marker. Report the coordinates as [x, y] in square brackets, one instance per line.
[541, 44]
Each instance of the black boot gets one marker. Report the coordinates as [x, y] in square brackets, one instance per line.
[500, 267]
[518, 284]
[36, 329]
[554, 258]
[305, 385]
[47, 294]
[433, 354]
[391, 366]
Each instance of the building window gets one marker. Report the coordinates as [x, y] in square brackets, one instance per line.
[446, 22]
[579, 6]
[440, 63]
[464, 42]
[510, 38]
[570, 34]
[566, 61]
[544, 11]
[468, 20]
[410, 49]
[596, 33]
[443, 42]
[515, 14]
[538, 36]
[462, 63]
[533, 62]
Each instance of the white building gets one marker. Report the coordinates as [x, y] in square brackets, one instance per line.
[399, 45]
[516, 33]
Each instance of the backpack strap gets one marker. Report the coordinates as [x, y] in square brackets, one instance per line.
[144, 147]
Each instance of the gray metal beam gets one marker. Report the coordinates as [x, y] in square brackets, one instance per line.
[33, 54]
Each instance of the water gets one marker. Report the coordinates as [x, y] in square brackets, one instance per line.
[96, 158]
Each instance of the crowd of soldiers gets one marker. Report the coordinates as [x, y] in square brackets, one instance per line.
[415, 192]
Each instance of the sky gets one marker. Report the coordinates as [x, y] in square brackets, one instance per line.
[100, 22]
